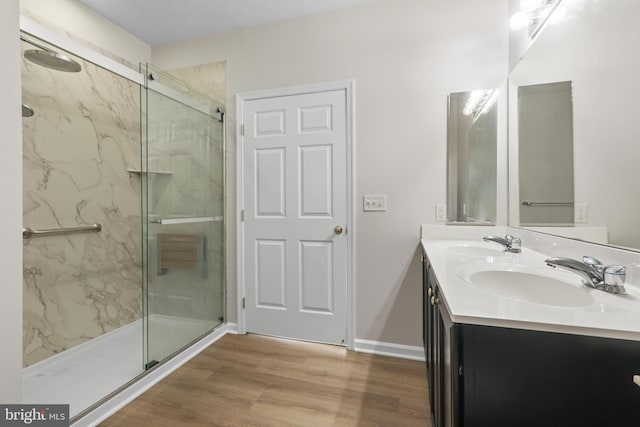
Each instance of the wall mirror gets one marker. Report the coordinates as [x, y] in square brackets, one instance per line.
[543, 127]
[585, 64]
[472, 135]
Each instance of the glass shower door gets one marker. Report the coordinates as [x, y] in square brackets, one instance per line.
[82, 283]
[183, 195]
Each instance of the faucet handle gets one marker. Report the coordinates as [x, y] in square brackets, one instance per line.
[614, 278]
[615, 274]
[593, 262]
[515, 243]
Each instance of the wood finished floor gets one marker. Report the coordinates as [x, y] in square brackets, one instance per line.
[251, 380]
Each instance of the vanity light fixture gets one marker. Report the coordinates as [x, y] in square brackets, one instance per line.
[532, 15]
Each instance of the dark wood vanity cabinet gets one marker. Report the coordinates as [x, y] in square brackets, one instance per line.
[441, 338]
[495, 376]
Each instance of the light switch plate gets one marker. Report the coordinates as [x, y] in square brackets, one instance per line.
[374, 203]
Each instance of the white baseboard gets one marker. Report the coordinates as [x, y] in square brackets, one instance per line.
[120, 400]
[389, 349]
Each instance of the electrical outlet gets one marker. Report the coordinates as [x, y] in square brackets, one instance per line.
[581, 213]
[371, 203]
[441, 213]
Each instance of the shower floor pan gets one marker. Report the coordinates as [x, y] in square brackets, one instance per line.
[91, 371]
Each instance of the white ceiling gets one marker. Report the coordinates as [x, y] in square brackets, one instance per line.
[165, 21]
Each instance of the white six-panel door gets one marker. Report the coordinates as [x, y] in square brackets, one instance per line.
[295, 216]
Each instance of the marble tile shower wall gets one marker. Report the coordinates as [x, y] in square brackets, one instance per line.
[77, 148]
[210, 79]
[187, 149]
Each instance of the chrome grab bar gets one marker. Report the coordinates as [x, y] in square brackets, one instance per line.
[28, 233]
[533, 204]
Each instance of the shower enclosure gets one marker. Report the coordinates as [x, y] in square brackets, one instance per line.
[123, 224]
[182, 195]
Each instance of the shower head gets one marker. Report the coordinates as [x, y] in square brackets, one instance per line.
[53, 60]
[27, 111]
[49, 58]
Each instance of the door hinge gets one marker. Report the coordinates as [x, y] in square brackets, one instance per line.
[243, 302]
[242, 215]
[242, 129]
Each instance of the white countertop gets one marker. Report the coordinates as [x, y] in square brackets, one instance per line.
[603, 314]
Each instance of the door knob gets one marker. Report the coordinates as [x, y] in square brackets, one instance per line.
[337, 229]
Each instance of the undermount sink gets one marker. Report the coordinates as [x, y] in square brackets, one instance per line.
[530, 287]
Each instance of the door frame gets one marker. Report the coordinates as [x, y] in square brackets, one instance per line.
[348, 86]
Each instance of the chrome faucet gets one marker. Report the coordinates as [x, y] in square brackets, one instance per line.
[609, 279]
[512, 244]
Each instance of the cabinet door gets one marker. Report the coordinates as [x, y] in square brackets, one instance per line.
[428, 324]
[437, 379]
[425, 306]
[442, 352]
[530, 378]
[450, 370]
